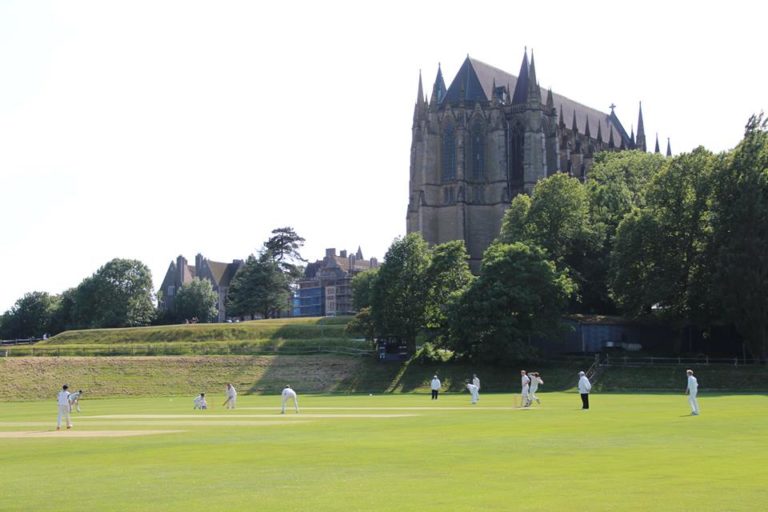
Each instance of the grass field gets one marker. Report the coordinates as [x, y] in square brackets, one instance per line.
[389, 453]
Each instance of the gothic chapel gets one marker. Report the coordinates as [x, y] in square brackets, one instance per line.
[491, 136]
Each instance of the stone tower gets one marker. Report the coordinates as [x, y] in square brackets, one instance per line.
[488, 137]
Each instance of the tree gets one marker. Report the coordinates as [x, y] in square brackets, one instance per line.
[30, 316]
[617, 183]
[119, 294]
[740, 236]
[518, 296]
[260, 287]
[399, 296]
[556, 218]
[514, 224]
[446, 278]
[634, 272]
[63, 316]
[362, 324]
[197, 299]
[283, 247]
[659, 254]
[362, 288]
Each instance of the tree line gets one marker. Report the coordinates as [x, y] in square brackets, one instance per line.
[681, 239]
[120, 294]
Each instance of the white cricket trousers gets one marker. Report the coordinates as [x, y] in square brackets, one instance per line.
[63, 414]
[694, 403]
[295, 403]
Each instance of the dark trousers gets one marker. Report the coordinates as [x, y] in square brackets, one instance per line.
[585, 400]
[434, 394]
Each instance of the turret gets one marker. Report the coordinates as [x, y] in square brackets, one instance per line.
[438, 90]
[640, 140]
[520, 95]
[534, 91]
[669, 148]
[656, 149]
[421, 106]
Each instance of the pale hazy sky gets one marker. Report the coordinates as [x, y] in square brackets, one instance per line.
[149, 129]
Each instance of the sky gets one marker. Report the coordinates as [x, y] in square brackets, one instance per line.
[152, 129]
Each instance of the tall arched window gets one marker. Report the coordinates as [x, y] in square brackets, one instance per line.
[476, 155]
[449, 153]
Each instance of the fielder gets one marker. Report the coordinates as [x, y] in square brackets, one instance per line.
[200, 402]
[74, 400]
[476, 381]
[692, 390]
[435, 386]
[535, 383]
[63, 401]
[288, 394]
[584, 388]
[231, 397]
[473, 391]
[525, 382]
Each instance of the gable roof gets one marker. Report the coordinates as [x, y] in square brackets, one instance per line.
[476, 79]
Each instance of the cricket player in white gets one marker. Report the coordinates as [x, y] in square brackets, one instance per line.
[473, 391]
[435, 386]
[525, 381]
[584, 388]
[535, 382]
[74, 400]
[231, 397]
[63, 401]
[288, 394]
[200, 402]
[476, 381]
[692, 390]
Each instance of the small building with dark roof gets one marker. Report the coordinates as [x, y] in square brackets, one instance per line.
[180, 273]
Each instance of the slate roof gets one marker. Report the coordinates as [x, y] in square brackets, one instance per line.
[475, 80]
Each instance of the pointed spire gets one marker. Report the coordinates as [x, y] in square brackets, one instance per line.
[521, 87]
[632, 134]
[640, 139]
[669, 148]
[550, 101]
[359, 253]
[610, 140]
[586, 129]
[656, 149]
[561, 123]
[420, 93]
[600, 132]
[574, 127]
[421, 105]
[534, 92]
[438, 90]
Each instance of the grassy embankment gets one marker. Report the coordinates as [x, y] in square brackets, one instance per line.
[260, 357]
[283, 335]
